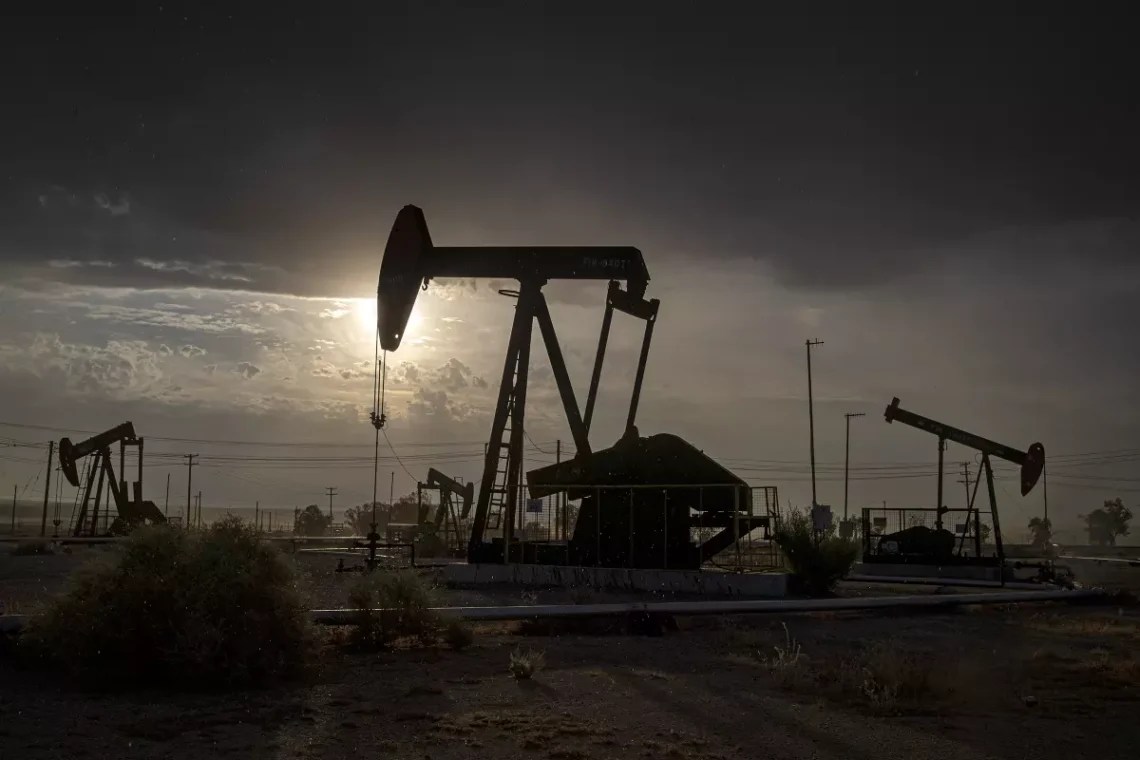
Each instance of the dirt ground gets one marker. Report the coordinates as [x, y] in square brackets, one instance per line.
[1029, 681]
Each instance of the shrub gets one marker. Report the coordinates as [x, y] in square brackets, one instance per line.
[210, 607]
[818, 559]
[523, 665]
[33, 548]
[391, 606]
[457, 636]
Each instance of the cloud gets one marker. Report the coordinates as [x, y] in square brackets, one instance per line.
[191, 351]
[453, 375]
[119, 208]
[116, 369]
[247, 370]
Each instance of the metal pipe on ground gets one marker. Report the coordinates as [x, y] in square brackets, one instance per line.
[13, 623]
[732, 607]
[116, 539]
[963, 582]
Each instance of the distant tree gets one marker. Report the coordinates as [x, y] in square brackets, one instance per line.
[1042, 530]
[986, 532]
[1106, 524]
[405, 510]
[359, 519]
[311, 522]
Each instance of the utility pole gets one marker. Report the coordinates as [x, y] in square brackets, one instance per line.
[966, 475]
[47, 490]
[15, 490]
[1045, 494]
[331, 491]
[199, 520]
[189, 479]
[562, 508]
[938, 504]
[256, 509]
[847, 458]
[811, 417]
[166, 504]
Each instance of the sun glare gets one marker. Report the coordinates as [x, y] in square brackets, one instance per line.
[365, 309]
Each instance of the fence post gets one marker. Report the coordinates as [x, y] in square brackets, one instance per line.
[598, 526]
[701, 532]
[736, 521]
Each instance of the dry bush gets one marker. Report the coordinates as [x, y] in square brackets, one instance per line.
[524, 664]
[391, 606]
[818, 560]
[456, 635]
[169, 607]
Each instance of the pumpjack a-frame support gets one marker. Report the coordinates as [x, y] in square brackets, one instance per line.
[501, 486]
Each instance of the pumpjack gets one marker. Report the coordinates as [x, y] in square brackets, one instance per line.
[132, 512]
[922, 543]
[444, 532]
[617, 527]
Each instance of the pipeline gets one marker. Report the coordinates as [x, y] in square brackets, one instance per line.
[730, 607]
[13, 623]
[963, 582]
[117, 539]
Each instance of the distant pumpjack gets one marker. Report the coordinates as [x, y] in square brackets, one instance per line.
[132, 512]
[446, 528]
[411, 261]
[1031, 461]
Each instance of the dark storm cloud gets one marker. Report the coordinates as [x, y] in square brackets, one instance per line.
[271, 153]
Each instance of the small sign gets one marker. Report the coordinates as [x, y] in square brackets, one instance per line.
[534, 505]
[821, 517]
[962, 528]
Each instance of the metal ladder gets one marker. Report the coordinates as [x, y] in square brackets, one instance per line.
[501, 487]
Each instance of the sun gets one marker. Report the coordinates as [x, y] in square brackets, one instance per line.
[365, 311]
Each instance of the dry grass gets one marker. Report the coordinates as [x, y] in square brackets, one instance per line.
[1090, 625]
[881, 677]
[524, 665]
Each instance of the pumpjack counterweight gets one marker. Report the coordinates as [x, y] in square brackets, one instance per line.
[411, 261]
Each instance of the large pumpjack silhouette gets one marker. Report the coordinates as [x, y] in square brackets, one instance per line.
[645, 494]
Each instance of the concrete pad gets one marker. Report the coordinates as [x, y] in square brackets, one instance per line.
[617, 579]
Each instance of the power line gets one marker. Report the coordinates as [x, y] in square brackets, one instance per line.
[397, 456]
[223, 442]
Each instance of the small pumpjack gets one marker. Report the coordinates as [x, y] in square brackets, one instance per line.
[132, 512]
[444, 533]
[920, 543]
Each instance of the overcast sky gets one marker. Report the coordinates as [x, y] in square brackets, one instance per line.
[193, 211]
